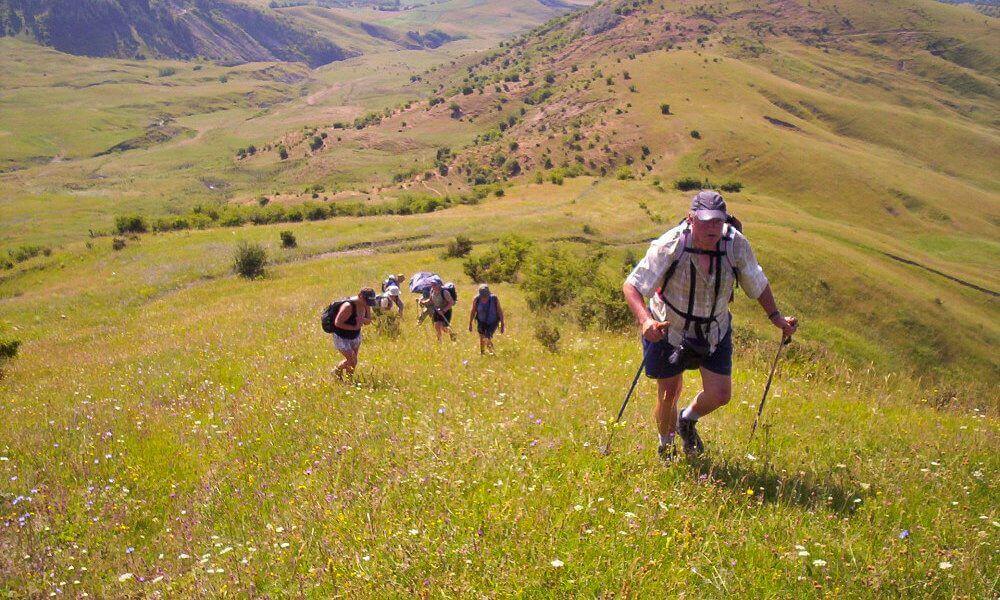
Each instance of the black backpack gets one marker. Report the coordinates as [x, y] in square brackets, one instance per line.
[330, 314]
[451, 290]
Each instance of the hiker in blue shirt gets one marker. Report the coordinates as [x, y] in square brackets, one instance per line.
[488, 315]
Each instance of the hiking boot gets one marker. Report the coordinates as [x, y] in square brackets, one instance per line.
[687, 429]
[667, 453]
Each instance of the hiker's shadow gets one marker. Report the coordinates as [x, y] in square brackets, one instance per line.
[773, 486]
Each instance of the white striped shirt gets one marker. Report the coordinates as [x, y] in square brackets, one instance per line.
[647, 277]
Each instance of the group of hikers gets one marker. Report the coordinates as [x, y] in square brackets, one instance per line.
[679, 294]
[345, 318]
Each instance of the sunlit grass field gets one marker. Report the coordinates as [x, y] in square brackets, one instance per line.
[177, 431]
[172, 430]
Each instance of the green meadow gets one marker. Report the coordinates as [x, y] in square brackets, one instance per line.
[179, 431]
[175, 430]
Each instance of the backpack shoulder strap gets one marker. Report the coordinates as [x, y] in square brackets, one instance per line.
[730, 239]
[675, 261]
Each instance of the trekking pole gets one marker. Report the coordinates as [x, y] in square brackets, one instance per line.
[607, 447]
[785, 340]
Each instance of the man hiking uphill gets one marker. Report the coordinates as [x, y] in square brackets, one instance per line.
[488, 315]
[351, 315]
[688, 274]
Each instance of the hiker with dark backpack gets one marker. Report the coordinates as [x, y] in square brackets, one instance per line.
[689, 274]
[344, 319]
[488, 315]
[439, 301]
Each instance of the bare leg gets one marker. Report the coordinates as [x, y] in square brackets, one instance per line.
[347, 365]
[716, 392]
[665, 412]
[482, 345]
[438, 328]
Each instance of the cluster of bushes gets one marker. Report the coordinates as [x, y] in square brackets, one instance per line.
[202, 217]
[441, 160]
[245, 152]
[558, 175]
[501, 263]
[582, 286]
[686, 184]
[538, 96]
[23, 253]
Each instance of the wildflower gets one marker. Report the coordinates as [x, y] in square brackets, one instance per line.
[944, 565]
[803, 553]
[414, 531]
[749, 491]
[904, 534]
[126, 576]
[819, 562]
[557, 563]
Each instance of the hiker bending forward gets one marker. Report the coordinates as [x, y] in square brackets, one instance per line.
[347, 325]
[440, 302]
[391, 293]
[488, 315]
[688, 275]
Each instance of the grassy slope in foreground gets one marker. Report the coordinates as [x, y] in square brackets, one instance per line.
[178, 432]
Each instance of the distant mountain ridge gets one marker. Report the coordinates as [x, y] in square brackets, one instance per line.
[214, 29]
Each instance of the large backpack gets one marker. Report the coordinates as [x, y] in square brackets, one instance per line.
[451, 290]
[330, 314]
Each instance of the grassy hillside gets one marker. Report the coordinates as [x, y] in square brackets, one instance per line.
[179, 432]
[180, 29]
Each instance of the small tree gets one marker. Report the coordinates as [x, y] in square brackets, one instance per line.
[249, 260]
[665, 109]
[696, 134]
[458, 247]
[288, 239]
[282, 153]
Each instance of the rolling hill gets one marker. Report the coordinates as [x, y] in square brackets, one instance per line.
[211, 29]
[176, 431]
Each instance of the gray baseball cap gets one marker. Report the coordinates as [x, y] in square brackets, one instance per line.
[708, 205]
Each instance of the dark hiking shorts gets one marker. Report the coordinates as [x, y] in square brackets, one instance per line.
[438, 318]
[658, 358]
[485, 330]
